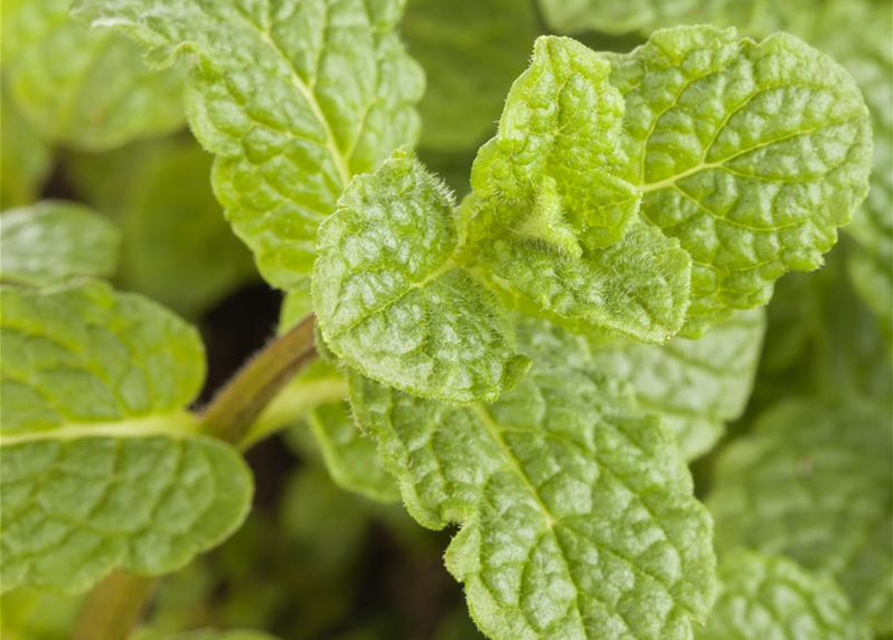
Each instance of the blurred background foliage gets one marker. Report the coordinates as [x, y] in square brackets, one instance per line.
[315, 561]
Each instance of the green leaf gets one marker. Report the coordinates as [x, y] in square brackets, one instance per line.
[99, 468]
[768, 597]
[292, 99]
[471, 50]
[54, 241]
[695, 385]
[576, 510]
[177, 247]
[814, 482]
[550, 223]
[391, 299]
[751, 154]
[74, 508]
[88, 89]
[89, 356]
[349, 454]
[25, 159]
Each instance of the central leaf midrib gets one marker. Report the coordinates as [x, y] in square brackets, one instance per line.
[340, 161]
[176, 424]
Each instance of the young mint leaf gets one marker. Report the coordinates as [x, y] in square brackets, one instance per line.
[576, 510]
[88, 89]
[550, 222]
[814, 482]
[471, 51]
[767, 597]
[292, 98]
[25, 159]
[391, 299]
[99, 469]
[76, 507]
[177, 247]
[752, 186]
[349, 454]
[695, 385]
[54, 241]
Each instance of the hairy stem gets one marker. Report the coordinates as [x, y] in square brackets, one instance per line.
[114, 607]
[237, 406]
[116, 604]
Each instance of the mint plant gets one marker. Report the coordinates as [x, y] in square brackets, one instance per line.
[587, 358]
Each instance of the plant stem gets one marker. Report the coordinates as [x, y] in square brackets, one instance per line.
[235, 408]
[117, 603]
[113, 607]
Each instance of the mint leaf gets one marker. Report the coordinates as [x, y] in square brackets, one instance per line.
[54, 241]
[177, 247]
[695, 385]
[350, 455]
[74, 508]
[391, 299]
[86, 355]
[25, 159]
[88, 89]
[100, 469]
[576, 510]
[471, 51]
[814, 482]
[750, 189]
[292, 99]
[765, 597]
[557, 245]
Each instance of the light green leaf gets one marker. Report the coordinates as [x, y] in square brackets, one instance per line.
[391, 299]
[25, 159]
[177, 246]
[768, 597]
[751, 154]
[76, 508]
[695, 385]
[576, 511]
[471, 51]
[88, 89]
[55, 241]
[89, 356]
[814, 482]
[99, 468]
[349, 454]
[292, 97]
[550, 223]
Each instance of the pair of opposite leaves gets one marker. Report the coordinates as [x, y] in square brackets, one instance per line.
[638, 194]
